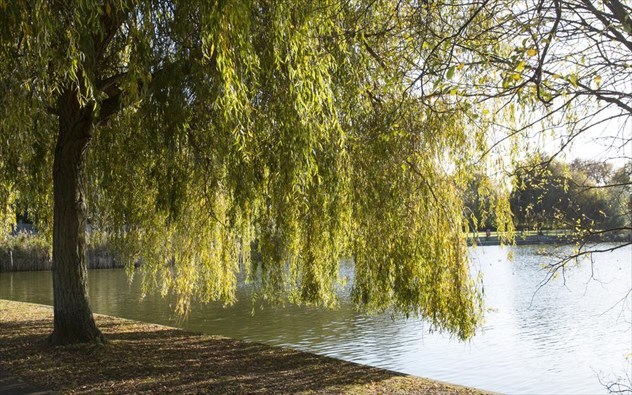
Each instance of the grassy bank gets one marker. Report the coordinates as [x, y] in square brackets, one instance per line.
[147, 358]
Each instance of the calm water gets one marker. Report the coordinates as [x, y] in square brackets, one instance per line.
[562, 339]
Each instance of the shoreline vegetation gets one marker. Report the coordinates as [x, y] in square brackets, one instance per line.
[552, 237]
[31, 252]
[148, 358]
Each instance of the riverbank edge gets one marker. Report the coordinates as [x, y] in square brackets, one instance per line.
[143, 358]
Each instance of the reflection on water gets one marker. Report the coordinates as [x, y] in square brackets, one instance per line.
[558, 340]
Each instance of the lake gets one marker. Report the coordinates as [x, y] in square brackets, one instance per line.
[564, 338]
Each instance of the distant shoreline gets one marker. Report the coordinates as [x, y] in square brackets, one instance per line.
[494, 240]
[28, 252]
[521, 240]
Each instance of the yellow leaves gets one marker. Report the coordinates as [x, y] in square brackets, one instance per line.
[27, 85]
[531, 52]
[209, 48]
[520, 66]
[7, 204]
[26, 29]
[257, 132]
[450, 71]
[597, 80]
[515, 76]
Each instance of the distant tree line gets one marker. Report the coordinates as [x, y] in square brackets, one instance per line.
[587, 197]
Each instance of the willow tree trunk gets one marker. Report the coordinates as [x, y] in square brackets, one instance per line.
[73, 322]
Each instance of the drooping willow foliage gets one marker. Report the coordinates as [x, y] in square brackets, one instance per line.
[273, 138]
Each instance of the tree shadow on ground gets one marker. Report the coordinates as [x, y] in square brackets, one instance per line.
[146, 358]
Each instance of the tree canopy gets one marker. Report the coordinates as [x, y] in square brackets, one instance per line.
[274, 138]
[584, 196]
[546, 74]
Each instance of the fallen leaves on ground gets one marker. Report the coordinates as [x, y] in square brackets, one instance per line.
[147, 358]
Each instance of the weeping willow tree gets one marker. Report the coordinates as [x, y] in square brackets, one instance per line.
[271, 138]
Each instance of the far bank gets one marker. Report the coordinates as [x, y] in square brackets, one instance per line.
[31, 252]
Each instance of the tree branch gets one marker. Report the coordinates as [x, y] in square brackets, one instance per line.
[607, 24]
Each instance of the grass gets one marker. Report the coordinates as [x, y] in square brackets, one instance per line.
[148, 358]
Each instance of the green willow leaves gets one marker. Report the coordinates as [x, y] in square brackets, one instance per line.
[270, 138]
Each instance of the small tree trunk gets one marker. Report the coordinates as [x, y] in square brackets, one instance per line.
[73, 321]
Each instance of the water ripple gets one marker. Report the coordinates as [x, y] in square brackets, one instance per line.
[552, 341]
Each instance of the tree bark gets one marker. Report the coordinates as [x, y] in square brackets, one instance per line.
[73, 320]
